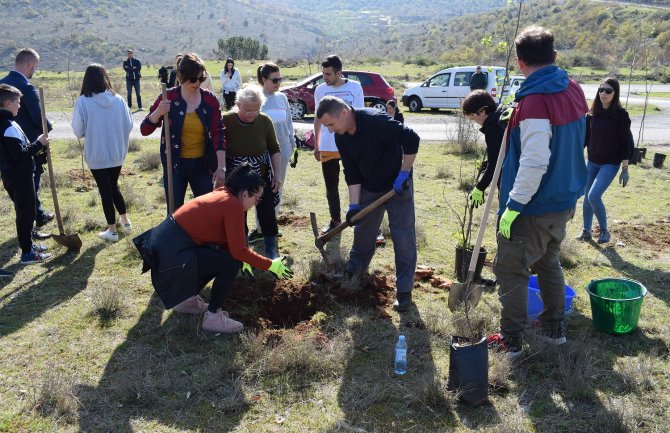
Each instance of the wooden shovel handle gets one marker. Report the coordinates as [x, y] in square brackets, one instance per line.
[168, 152]
[52, 179]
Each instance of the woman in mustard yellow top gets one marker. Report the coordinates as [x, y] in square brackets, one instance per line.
[196, 132]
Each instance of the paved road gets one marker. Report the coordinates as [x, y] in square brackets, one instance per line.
[437, 126]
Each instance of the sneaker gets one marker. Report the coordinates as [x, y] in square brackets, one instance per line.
[402, 302]
[44, 219]
[109, 236]
[127, 227]
[498, 343]
[39, 236]
[5, 274]
[329, 227]
[193, 305]
[380, 239]
[255, 236]
[604, 237]
[140, 109]
[585, 236]
[220, 322]
[33, 257]
[39, 248]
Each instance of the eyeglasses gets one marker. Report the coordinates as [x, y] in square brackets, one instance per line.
[277, 80]
[257, 198]
[605, 90]
[201, 78]
[471, 116]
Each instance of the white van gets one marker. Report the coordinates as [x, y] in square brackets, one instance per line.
[446, 88]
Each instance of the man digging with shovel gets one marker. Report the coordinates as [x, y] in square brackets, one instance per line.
[377, 154]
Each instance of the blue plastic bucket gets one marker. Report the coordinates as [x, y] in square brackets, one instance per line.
[535, 305]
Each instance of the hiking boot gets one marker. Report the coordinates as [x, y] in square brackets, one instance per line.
[329, 227]
[554, 335]
[604, 237]
[402, 302]
[220, 322]
[39, 248]
[193, 305]
[511, 347]
[39, 236]
[44, 219]
[5, 274]
[109, 236]
[380, 239]
[585, 236]
[255, 236]
[33, 257]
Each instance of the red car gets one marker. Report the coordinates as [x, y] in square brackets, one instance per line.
[376, 90]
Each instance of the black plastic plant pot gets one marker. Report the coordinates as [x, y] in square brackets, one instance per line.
[659, 158]
[463, 263]
[643, 152]
[636, 156]
[469, 370]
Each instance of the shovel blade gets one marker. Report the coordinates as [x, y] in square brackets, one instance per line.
[459, 292]
[71, 242]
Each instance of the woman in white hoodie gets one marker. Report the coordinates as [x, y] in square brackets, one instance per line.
[103, 119]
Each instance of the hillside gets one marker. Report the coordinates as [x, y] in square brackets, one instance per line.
[101, 30]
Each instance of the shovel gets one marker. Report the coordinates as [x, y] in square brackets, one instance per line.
[466, 291]
[71, 242]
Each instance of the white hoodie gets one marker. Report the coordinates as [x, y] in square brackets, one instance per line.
[105, 122]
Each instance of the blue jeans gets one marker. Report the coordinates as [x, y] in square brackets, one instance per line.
[192, 171]
[400, 211]
[598, 179]
[129, 87]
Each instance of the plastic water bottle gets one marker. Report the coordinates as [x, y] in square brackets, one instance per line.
[400, 364]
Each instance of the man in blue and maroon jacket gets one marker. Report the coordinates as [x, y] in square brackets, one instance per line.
[543, 175]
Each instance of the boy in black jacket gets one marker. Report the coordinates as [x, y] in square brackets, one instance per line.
[17, 166]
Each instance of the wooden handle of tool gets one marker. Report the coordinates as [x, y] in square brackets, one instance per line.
[487, 209]
[52, 179]
[168, 152]
[360, 215]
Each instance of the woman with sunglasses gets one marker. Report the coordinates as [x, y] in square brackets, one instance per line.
[231, 80]
[609, 144]
[251, 138]
[196, 132]
[276, 106]
[481, 108]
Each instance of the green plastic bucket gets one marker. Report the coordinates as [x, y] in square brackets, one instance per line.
[616, 304]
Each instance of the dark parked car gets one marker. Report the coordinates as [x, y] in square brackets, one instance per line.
[375, 89]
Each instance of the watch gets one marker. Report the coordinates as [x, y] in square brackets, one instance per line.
[223, 169]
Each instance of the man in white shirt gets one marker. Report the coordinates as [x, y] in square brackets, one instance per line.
[325, 150]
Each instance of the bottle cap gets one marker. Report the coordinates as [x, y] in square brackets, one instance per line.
[401, 338]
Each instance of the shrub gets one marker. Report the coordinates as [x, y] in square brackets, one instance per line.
[148, 161]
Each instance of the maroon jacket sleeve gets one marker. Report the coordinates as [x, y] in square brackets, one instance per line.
[146, 128]
[217, 128]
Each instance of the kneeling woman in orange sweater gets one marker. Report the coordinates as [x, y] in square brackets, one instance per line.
[204, 240]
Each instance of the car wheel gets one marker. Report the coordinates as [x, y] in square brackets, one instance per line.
[415, 105]
[379, 105]
[298, 109]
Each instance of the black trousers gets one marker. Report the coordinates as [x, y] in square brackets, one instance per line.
[265, 211]
[21, 190]
[107, 180]
[229, 99]
[217, 264]
[331, 176]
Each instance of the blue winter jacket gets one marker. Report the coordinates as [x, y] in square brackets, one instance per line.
[544, 170]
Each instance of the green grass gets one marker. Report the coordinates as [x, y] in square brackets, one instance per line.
[65, 367]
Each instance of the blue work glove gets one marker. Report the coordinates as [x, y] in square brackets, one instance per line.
[353, 210]
[280, 269]
[247, 270]
[624, 177]
[400, 184]
[476, 197]
[506, 221]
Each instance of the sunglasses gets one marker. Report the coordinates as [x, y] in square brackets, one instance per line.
[201, 78]
[277, 80]
[604, 90]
